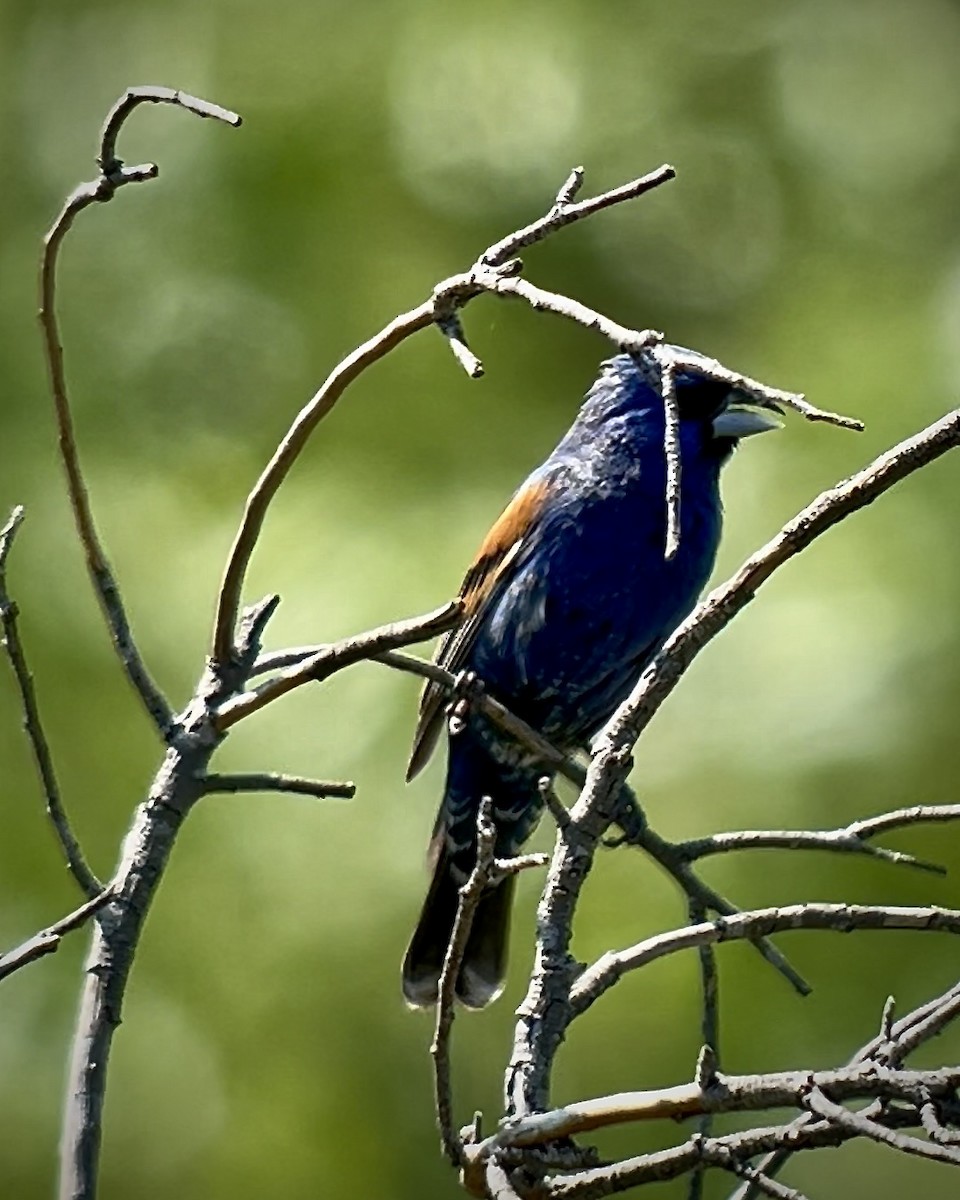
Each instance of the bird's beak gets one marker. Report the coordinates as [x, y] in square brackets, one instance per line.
[740, 420]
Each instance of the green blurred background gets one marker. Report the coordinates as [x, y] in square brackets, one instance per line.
[811, 239]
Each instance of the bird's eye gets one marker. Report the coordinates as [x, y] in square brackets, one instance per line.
[701, 399]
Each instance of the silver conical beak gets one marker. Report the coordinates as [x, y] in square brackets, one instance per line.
[743, 420]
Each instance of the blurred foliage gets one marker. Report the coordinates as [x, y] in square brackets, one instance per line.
[811, 239]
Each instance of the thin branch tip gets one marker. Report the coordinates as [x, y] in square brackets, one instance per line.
[452, 329]
[9, 532]
[570, 187]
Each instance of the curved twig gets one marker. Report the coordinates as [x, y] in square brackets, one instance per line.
[113, 175]
[494, 266]
[841, 918]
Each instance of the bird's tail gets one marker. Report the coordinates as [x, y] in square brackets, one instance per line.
[482, 971]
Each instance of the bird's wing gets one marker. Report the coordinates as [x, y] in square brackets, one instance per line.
[483, 583]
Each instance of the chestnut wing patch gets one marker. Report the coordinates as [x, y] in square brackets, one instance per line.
[482, 584]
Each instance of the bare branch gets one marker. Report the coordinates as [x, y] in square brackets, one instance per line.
[113, 175]
[134, 96]
[920, 1026]
[848, 839]
[729, 1093]
[286, 454]
[48, 940]
[487, 872]
[657, 847]
[330, 659]
[890, 1048]
[761, 393]
[253, 623]
[934, 1127]
[470, 895]
[840, 918]
[452, 330]
[492, 271]
[886, 1019]
[270, 781]
[499, 1186]
[860, 1125]
[678, 1160]
[565, 213]
[708, 898]
[632, 341]
[491, 708]
[708, 1062]
[719, 1155]
[723, 603]
[77, 864]
[144, 855]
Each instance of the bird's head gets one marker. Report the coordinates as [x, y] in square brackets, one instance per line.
[714, 417]
[724, 414]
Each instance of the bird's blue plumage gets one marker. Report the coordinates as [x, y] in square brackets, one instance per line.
[570, 597]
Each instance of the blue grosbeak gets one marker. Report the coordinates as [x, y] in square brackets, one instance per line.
[569, 597]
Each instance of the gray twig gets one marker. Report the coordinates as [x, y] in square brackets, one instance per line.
[112, 176]
[631, 341]
[708, 1064]
[889, 1048]
[761, 393]
[498, 1183]
[470, 895]
[850, 838]
[493, 272]
[329, 659]
[717, 1154]
[840, 918]
[47, 941]
[859, 1124]
[452, 329]
[662, 851]
[253, 624]
[708, 898]
[934, 1127]
[269, 781]
[720, 607]
[76, 862]
[729, 1093]
[564, 212]
[488, 870]
[135, 96]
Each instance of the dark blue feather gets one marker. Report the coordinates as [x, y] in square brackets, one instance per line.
[570, 597]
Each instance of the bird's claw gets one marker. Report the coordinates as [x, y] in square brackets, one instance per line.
[466, 691]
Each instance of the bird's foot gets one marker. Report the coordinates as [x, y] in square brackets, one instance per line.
[467, 689]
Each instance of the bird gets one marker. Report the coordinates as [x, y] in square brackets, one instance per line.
[567, 600]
